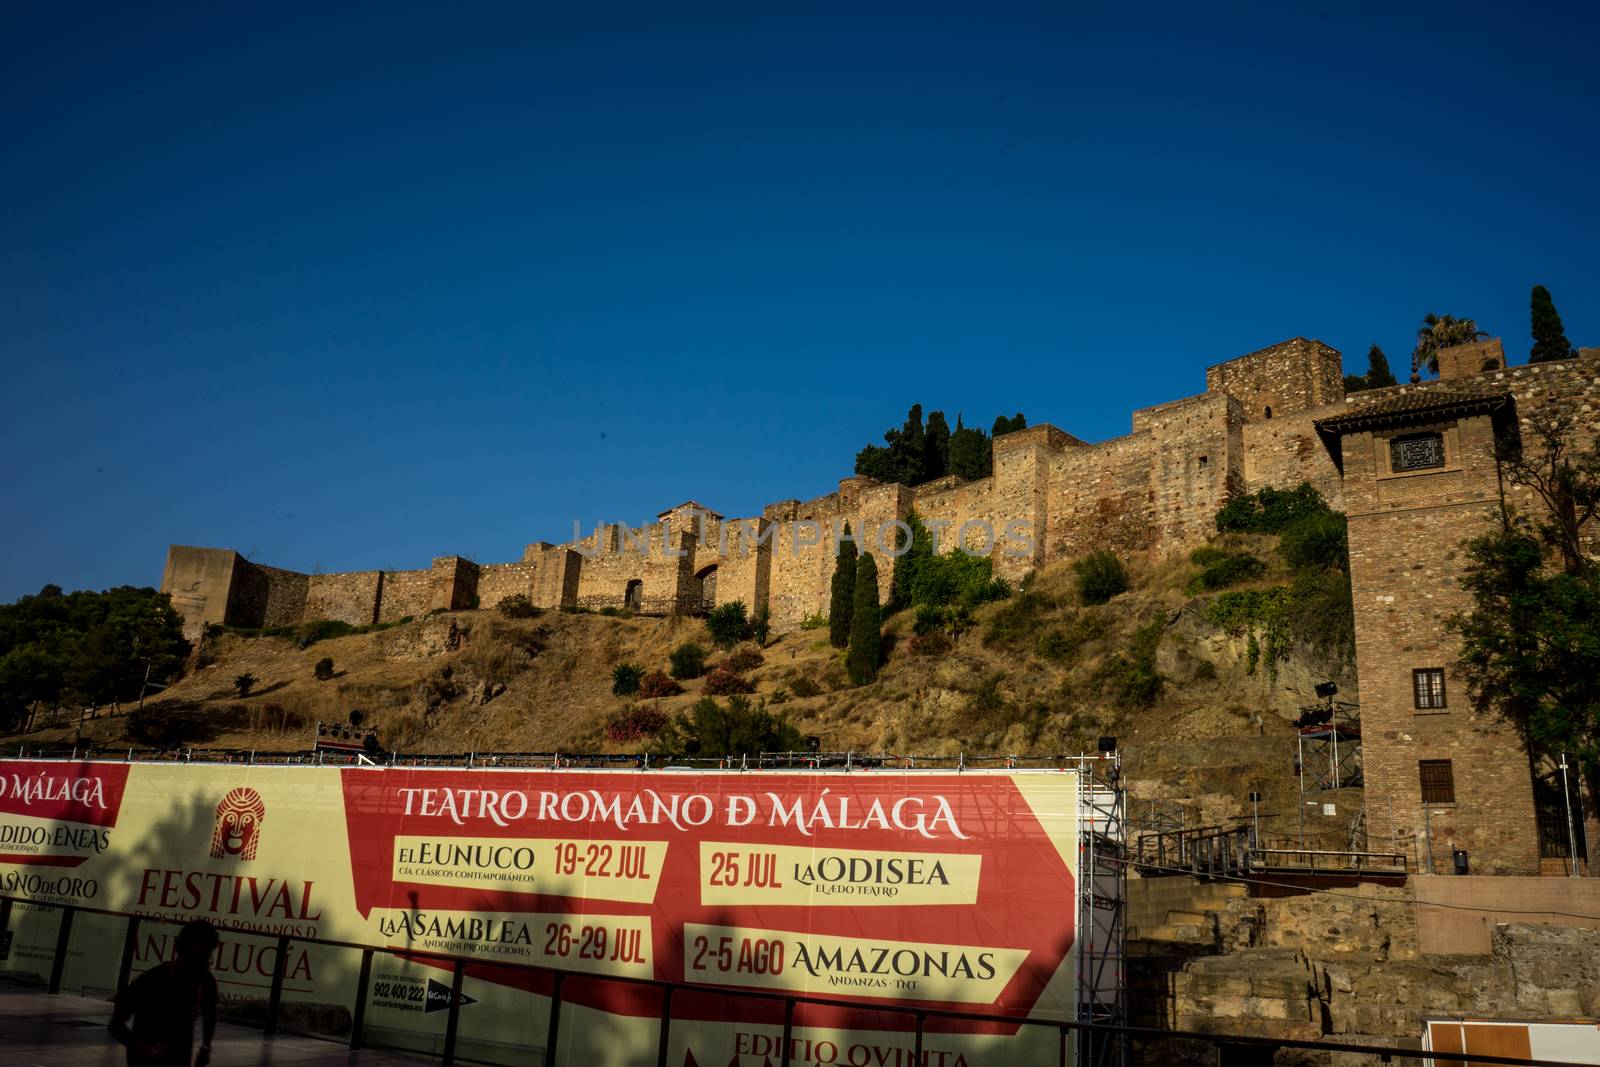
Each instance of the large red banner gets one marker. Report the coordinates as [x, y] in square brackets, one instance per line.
[919, 890]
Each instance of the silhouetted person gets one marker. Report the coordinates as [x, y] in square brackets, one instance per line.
[164, 1001]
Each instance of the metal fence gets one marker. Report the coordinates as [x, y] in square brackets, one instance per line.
[1073, 1037]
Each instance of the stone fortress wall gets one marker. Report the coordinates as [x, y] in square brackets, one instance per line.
[1154, 490]
[1277, 417]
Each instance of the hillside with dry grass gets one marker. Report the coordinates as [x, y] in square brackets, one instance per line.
[1201, 701]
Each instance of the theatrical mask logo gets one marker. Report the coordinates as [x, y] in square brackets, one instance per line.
[239, 818]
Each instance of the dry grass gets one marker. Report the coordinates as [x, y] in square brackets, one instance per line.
[474, 681]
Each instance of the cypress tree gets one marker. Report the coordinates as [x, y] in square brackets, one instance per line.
[841, 606]
[1378, 373]
[1549, 338]
[865, 623]
[935, 447]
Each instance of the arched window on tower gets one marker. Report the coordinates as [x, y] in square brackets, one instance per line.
[1269, 411]
[633, 598]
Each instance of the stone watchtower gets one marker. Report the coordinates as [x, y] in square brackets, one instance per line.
[1419, 477]
[1282, 379]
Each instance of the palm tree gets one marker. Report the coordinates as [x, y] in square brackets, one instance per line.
[1436, 332]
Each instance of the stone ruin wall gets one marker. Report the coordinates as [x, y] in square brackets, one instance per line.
[1154, 490]
[405, 593]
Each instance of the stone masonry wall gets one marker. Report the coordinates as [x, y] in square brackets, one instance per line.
[496, 581]
[351, 598]
[1405, 532]
[269, 596]
[405, 593]
[1285, 378]
[1468, 360]
[1406, 560]
[1280, 453]
[1350, 965]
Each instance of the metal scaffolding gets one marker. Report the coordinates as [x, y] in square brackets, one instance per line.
[1329, 747]
[1102, 910]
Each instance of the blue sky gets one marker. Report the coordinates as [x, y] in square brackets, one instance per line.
[355, 289]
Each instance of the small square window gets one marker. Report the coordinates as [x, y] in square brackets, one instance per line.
[1203, 461]
[1427, 687]
[1416, 452]
[1438, 781]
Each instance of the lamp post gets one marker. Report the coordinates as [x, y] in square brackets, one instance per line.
[1572, 833]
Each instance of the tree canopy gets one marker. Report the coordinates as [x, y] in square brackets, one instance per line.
[919, 451]
[1531, 643]
[1549, 337]
[1378, 375]
[85, 647]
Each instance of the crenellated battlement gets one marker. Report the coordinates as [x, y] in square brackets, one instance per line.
[1051, 496]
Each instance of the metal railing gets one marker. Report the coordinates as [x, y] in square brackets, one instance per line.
[1092, 766]
[1323, 861]
[1213, 851]
[1202, 850]
[1098, 1035]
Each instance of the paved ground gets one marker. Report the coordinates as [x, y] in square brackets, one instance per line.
[38, 1030]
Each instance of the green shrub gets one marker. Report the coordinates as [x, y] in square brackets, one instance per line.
[657, 684]
[625, 679]
[1101, 576]
[1230, 569]
[990, 715]
[611, 612]
[1317, 543]
[1129, 679]
[780, 695]
[1206, 555]
[724, 682]
[1205, 671]
[1270, 511]
[1062, 642]
[243, 684]
[727, 624]
[1018, 621]
[761, 626]
[634, 722]
[807, 687]
[1313, 610]
[818, 621]
[517, 606]
[711, 729]
[688, 660]
[929, 644]
[324, 669]
[930, 619]
[743, 659]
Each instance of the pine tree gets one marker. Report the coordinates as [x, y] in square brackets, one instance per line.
[1379, 375]
[936, 447]
[841, 605]
[865, 622]
[1549, 339]
[1011, 425]
[905, 448]
[969, 452]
